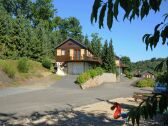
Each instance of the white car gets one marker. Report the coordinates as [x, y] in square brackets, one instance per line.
[160, 88]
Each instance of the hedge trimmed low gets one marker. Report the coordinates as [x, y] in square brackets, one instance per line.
[82, 78]
[145, 83]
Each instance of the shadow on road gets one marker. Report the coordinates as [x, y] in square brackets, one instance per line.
[123, 106]
[59, 118]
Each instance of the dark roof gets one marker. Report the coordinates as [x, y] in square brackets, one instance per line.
[117, 57]
[76, 42]
[70, 39]
[147, 72]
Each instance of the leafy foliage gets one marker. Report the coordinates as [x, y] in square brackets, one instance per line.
[145, 83]
[126, 60]
[128, 70]
[23, 65]
[96, 45]
[104, 55]
[153, 39]
[46, 63]
[82, 78]
[148, 65]
[110, 59]
[147, 109]
[132, 9]
[158, 103]
[128, 74]
[9, 70]
[31, 29]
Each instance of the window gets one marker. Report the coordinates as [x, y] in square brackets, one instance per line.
[62, 52]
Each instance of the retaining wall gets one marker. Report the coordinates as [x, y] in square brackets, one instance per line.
[98, 80]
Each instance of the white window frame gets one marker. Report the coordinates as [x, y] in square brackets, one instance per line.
[62, 52]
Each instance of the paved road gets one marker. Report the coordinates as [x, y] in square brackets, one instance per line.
[61, 95]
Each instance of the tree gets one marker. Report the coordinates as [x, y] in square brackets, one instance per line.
[111, 66]
[96, 46]
[6, 30]
[70, 27]
[126, 60]
[104, 56]
[31, 29]
[18, 7]
[42, 10]
[87, 42]
[132, 9]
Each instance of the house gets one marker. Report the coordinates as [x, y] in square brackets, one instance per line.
[147, 74]
[120, 66]
[72, 57]
[137, 73]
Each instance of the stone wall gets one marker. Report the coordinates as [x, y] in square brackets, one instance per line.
[98, 80]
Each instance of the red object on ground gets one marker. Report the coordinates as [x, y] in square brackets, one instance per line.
[117, 112]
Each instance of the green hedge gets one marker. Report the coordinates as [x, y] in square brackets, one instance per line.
[82, 78]
[145, 83]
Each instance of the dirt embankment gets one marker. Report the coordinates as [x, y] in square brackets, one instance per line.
[4, 79]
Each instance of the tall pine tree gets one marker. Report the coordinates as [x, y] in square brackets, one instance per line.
[104, 56]
[111, 66]
[86, 41]
[96, 45]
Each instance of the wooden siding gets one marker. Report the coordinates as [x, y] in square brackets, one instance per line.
[74, 52]
[148, 75]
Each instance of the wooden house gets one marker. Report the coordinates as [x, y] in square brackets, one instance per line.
[147, 74]
[72, 57]
[120, 66]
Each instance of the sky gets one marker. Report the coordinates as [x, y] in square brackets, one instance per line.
[126, 36]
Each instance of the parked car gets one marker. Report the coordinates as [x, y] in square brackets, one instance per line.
[160, 88]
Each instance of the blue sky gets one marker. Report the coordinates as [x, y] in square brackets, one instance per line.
[127, 37]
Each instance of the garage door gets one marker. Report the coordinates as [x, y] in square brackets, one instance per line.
[75, 68]
[78, 68]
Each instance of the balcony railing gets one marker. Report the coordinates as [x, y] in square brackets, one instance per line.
[67, 58]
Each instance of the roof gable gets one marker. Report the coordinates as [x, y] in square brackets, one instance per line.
[72, 40]
[147, 72]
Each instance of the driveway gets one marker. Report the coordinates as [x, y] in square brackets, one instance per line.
[62, 94]
[67, 82]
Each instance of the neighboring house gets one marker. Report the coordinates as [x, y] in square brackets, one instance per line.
[72, 57]
[137, 73]
[120, 66]
[147, 74]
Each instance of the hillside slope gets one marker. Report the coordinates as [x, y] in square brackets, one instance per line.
[147, 64]
[36, 70]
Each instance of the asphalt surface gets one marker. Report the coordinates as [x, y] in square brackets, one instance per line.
[63, 94]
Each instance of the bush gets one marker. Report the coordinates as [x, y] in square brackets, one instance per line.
[128, 74]
[92, 73]
[99, 71]
[23, 65]
[46, 63]
[145, 83]
[9, 70]
[82, 78]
